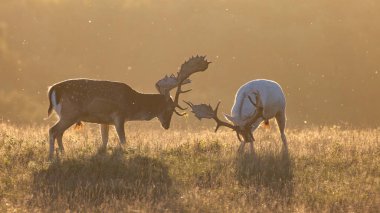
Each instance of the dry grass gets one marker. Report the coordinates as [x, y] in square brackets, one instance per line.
[329, 169]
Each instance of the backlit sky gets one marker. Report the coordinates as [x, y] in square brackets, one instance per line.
[324, 53]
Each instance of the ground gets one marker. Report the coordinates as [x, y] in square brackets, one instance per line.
[186, 170]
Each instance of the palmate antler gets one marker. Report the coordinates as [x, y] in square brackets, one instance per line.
[189, 67]
[205, 111]
[168, 83]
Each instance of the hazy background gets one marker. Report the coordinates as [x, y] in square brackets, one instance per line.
[324, 53]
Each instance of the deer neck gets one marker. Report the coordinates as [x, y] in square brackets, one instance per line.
[146, 106]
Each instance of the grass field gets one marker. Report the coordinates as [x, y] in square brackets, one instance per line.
[328, 169]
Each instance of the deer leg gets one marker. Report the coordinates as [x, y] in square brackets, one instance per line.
[119, 126]
[281, 120]
[241, 147]
[251, 140]
[52, 136]
[247, 138]
[60, 144]
[251, 148]
[104, 129]
[56, 132]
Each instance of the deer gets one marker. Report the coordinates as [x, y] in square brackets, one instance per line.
[256, 101]
[114, 103]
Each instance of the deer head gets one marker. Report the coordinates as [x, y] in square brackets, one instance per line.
[166, 84]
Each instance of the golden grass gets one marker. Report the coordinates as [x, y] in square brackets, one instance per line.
[328, 169]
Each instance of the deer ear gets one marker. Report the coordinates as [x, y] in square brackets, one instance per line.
[230, 118]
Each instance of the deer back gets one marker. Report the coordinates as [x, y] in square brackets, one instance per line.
[88, 98]
[271, 99]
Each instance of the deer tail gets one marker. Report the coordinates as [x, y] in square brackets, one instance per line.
[50, 92]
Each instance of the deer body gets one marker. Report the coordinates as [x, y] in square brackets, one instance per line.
[272, 101]
[101, 101]
[105, 103]
[114, 103]
[266, 95]
[255, 102]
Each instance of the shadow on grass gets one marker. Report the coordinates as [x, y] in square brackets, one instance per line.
[94, 180]
[270, 170]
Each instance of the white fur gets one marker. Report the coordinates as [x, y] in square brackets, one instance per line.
[271, 98]
[57, 107]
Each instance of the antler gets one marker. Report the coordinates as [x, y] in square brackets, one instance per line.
[193, 65]
[168, 83]
[259, 111]
[189, 67]
[205, 111]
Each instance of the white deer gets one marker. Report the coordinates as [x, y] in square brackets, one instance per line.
[255, 102]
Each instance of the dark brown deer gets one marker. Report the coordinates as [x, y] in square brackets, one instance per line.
[114, 103]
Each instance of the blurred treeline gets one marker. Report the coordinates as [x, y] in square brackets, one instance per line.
[324, 53]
